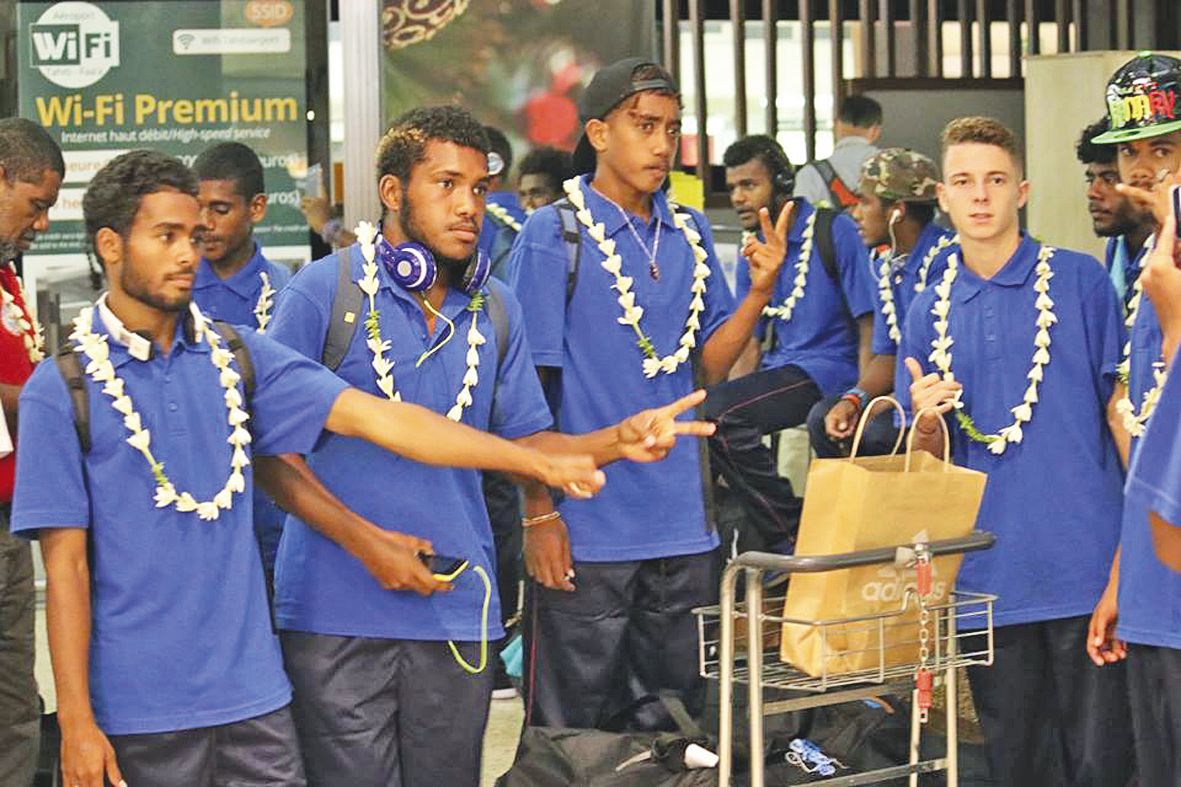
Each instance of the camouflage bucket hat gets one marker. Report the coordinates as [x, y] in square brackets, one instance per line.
[901, 174]
[1142, 99]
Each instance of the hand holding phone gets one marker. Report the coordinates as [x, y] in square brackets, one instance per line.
[443, 567]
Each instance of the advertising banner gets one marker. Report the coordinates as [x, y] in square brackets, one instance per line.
[178, 77]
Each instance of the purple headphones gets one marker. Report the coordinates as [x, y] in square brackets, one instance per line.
[412, 266]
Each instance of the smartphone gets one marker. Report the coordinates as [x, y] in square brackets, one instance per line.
[443, 567]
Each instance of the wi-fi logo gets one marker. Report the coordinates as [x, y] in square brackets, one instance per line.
[185, 40]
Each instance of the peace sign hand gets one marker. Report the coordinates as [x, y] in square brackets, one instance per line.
[649, 435]
[766, 256]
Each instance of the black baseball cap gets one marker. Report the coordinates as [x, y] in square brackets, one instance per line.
[610, 86]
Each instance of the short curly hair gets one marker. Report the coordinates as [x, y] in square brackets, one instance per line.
[1090, 153]
[115, 193]
[982, 131]
[404, 144]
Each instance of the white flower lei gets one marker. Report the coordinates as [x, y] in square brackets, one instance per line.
[100, 369]
[941, 351]
[32, 334]
[889, 309]
[653, 363]
[1136, 423]
[784, 312]
[503, 216]
[266, 299]
[367, 235]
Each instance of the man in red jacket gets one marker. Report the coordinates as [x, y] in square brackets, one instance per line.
[31, 171]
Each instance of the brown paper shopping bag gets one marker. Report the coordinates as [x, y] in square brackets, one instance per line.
[866, 503]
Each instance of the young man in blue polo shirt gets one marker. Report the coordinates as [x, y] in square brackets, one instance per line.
[166, 667]
[624, 301]
[895, 211]
[1114, 216]
[816, 334]
[235, 282]
[1021, 340]
[391, 688]
[1137, 616]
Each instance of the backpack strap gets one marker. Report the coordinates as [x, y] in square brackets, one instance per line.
[499, 316]
[241, 353]
[346, 311]
[825, 246]
[828, 175]
[573, 240]
[71, 371]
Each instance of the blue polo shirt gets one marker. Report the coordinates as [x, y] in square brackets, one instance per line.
[321, 588]
[181, 633]
[1149, 593]
[645, 510]
[1054, 499]
[1154, 483]
[233, 300]
[821, 337]
[496, 238]
[904, 277]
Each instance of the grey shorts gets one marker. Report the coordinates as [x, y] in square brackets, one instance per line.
[258, 752]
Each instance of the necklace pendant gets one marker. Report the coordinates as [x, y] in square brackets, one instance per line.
[654, 271]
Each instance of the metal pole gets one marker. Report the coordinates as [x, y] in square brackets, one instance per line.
[1031, 24]
[359, 23]
[935, 20]
[754, 657]
[836, 35]
[1062, 19]
[808, 44]
[771, 62]
[887, 14]
[726, 677]
[984, 19]
[1013, 14]
[867, 39]
[918, 26]
[672, 38]
[697, 22]
[738, 23]
[964, 13]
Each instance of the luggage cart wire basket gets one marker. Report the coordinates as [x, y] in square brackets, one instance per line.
[958, 634]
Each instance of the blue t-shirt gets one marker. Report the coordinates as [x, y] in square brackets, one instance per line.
[904, 277]
[496, 237]
[1154, 482]
[321, 588]
[233, 300]
[645, 510]
[821, 337]
[1149, 592]
[181, 633]
[1054, 499]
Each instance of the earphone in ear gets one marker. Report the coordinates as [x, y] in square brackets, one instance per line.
[413, 268]
[895, 216]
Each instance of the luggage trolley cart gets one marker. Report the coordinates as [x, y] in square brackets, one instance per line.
[944, 651]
